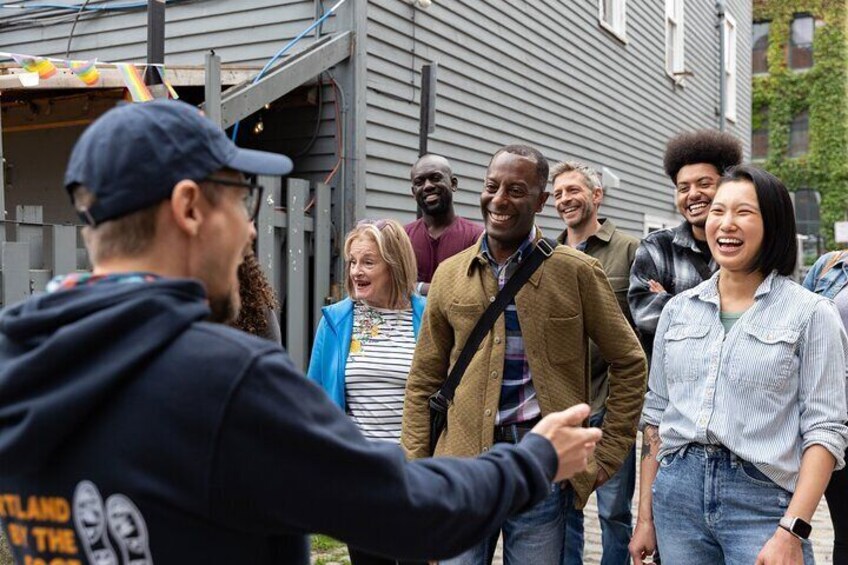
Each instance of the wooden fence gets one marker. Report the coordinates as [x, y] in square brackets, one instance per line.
[32, 251]
[293, 245]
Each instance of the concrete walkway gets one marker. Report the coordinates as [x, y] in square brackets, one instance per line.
[822, 530]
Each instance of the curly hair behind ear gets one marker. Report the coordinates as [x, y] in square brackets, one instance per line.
[719, 149]
[257, 298]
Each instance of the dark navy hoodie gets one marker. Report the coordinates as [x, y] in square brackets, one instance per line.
[132, 431]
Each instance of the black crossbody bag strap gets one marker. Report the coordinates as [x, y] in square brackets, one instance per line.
[440, 401]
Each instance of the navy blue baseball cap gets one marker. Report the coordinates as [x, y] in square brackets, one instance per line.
[133, 155]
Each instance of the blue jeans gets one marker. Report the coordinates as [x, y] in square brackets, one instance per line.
[712, 507]
[533, 537]
[614, 501]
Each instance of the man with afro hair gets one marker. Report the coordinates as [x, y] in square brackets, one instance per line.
[672, 260]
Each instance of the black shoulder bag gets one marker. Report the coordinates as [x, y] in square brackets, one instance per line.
[440, 401]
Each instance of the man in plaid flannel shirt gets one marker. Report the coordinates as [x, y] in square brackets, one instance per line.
[672, 260]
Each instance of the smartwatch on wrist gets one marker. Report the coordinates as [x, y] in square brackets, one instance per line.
[799, 528]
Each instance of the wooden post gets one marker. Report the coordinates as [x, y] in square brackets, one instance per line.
[321, 250]
[60, 249]
[296, 272]
[14, 266]
[29, 230]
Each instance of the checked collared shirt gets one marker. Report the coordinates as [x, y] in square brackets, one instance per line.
[673, 258]
[518, 401]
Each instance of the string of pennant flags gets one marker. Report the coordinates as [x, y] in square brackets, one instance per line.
[44, 68]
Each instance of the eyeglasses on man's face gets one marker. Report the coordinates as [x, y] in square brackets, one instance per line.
[252, 199]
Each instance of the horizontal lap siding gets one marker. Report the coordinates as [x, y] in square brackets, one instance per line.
[243, 32]
[741, 12]
[546, 74]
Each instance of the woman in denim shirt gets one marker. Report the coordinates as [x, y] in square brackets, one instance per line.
[828, 277]
[743, 422]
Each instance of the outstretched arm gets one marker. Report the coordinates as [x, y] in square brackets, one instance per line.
[285, 454]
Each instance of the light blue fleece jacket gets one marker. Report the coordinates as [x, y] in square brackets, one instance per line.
[332, 345]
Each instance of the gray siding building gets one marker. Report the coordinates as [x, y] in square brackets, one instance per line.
[549, 73]
[602, 81]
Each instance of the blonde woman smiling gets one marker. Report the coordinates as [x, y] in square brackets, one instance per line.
[364, 344]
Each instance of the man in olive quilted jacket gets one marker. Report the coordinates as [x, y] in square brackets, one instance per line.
[534, 361]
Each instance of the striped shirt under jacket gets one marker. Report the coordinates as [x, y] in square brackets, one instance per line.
[770, 388]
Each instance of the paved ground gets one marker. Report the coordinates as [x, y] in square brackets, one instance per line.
[822, 531]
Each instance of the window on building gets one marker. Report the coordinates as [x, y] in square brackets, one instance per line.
[612, 15]
[760, 135]
[799, 135]
[807, 211]
[729, 67]
[651, 224]
[801, 42]
[674, 38]
[759, 50]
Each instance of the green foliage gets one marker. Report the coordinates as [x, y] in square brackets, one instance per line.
[327, 551]
[324, 543]
[821, 90]
[5, 552]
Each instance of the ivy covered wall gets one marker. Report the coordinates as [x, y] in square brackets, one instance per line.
[822, 90]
